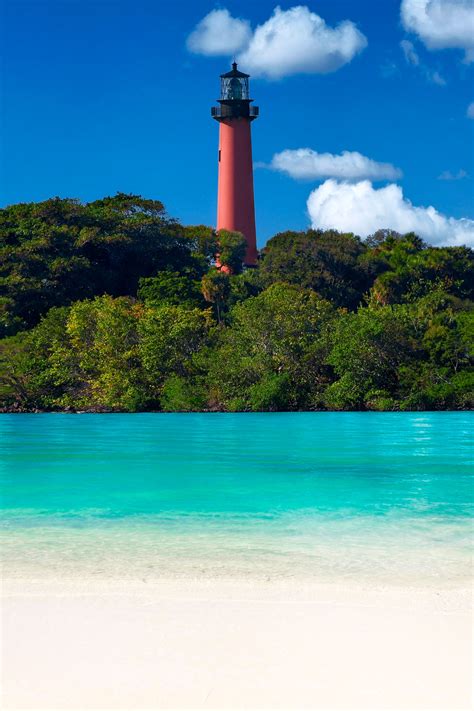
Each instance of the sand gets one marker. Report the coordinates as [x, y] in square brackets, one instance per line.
[220, 644]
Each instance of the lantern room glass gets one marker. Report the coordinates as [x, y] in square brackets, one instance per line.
[234, 88]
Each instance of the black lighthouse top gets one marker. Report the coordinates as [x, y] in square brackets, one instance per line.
[235, 98]
[234, 85]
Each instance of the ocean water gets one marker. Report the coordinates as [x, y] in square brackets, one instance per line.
[385, 497]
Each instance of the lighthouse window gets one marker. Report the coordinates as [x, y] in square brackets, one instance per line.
[219, 155]
[234, 88]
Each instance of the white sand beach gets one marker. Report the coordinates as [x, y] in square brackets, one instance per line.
[220, 644]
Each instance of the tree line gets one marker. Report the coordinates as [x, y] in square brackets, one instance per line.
[112, 305]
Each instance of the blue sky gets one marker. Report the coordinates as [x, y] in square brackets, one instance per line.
[103, 96]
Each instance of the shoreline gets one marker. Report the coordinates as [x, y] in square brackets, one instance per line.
[234, 644]
[69, 411]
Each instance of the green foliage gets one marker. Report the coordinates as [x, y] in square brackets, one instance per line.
[203, 244]
[330, 263]
[183, 395]
[102, 348]
[171, 288]
[271, 335]
[232, 248]
[367, 349]
[406, 356]
[270, 393]
[215, 286]
[169, 336]
[413, 275]
[58, 251]
[104, 354]
[28, 377]
[113, 306]
[243, 286]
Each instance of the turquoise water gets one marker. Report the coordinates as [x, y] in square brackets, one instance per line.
[385, 496]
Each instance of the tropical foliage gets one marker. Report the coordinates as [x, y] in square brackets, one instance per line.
[114, 306]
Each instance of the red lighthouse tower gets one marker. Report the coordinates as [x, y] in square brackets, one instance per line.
[235, 203]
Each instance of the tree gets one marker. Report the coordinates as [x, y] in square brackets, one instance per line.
[414, 272]
[269, 353]
[329, 262]
[232, 247]
[443, 375]
[215, 287]
[171, 288]
[169, 337]
[203, 242]
[367, 350]
[103, 337]
[28, 377]
[324, 321]
[183, 394]
[59, 251]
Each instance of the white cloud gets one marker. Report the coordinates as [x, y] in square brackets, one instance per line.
[360, 208]
[294, 41]
[410, 53]
[470, 110]
[441, 24]
[219, 34]
[299, 41]
[436, 78]
[304, 163]
[412, 57]
[448, 175]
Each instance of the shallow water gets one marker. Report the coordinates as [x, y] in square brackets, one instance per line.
[383, 497]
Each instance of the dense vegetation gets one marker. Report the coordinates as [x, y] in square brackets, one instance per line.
[113, 306]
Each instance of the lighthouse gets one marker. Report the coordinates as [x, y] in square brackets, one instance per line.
[235, 201]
